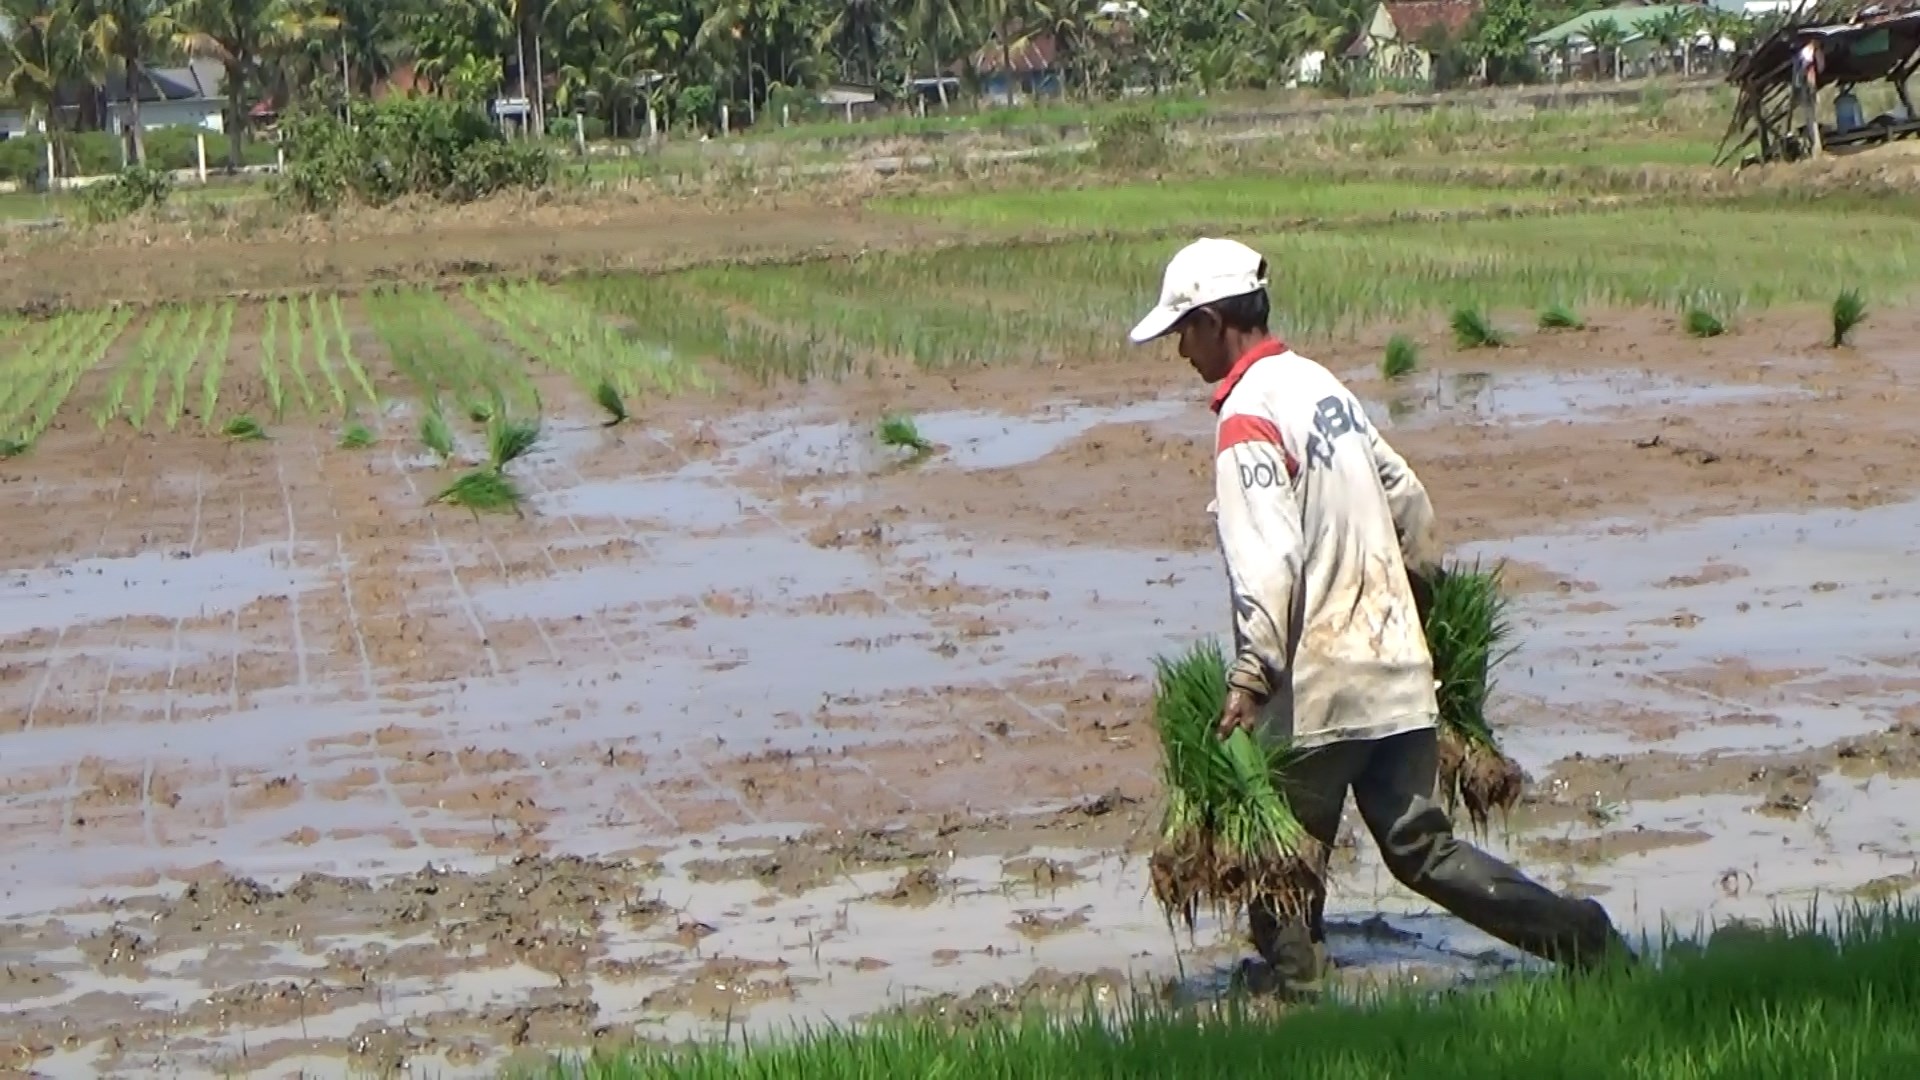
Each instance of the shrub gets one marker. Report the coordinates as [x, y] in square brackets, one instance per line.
[1131, 139]
[404, 146]
[128, 191]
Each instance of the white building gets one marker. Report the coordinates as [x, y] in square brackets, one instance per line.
[190, 96]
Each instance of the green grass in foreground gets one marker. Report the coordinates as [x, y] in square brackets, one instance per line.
[1214, 200]
[1786, 1004]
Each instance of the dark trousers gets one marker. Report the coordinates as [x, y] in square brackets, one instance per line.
[1393, 782]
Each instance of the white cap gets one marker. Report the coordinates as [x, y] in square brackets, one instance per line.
[1204, 271]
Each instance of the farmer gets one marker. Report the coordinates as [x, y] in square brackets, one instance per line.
[1318, 519]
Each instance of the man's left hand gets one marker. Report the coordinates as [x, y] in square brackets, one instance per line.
[1242, 712]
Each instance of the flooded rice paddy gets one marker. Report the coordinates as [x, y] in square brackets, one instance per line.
[751, 722]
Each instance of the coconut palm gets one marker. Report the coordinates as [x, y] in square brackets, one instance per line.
[126, 34]
[41, 52]
[241, 35]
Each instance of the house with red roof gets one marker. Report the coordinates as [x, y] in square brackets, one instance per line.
[1401, 38]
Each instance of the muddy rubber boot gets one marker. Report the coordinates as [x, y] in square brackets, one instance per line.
[1295, 961]
[1605, 947]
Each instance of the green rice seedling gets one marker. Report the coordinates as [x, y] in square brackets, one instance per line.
[11, 447]
[1849, 311]
[1473, 329]
[1701, 322]
[897, 430]
[1561, 317]
[437, 436]
[1227, 835]
[481, 412]
[356, 437]
[482, 491]
[244, 429]
[509, 440]
[1402, 357]
[1467, 631]
[607, 396]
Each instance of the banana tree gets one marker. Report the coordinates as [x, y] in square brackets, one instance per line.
[1607, 38]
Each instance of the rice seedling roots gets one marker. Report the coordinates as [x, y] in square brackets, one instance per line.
[1478, 778]
[1192, 873]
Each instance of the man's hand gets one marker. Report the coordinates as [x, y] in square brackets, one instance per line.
[1242, 712]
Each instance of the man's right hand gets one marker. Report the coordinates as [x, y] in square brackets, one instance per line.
[1241, 713]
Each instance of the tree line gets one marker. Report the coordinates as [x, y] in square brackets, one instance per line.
[615, 61]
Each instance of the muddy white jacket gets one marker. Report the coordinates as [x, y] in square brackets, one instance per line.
[1317, 518]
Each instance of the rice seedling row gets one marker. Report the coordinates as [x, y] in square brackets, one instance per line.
[1207, 201]
[906, 308]
[141, 360]
[1330, 280]
[552, 326]
[42, 379]
[291, 318]
[442, 355]
[212, 326]
[688, 322]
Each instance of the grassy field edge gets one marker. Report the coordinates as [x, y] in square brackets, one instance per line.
[1800, 998]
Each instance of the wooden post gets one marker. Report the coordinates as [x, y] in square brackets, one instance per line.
[580, 131]
[200, 145]
[726, 124]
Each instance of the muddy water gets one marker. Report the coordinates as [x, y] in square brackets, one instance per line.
[681, 670]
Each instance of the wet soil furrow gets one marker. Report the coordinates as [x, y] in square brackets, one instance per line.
[453, 574]
[698, 770]
[173, 670]
[369, 681]
[599, 623]
[293, 597]
[99, 549]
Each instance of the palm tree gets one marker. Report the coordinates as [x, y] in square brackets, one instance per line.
[127, 33]
[41, 53]
[240, 34]
[938, 25]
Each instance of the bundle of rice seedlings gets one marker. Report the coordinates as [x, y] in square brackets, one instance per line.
[244, 429]
[1561, 317]
[1228, 835]
[356, 437]
[607, 396]
[510, 440]
[1703, 323]
[1402, 357]
[899, 431]
[481, 412]
[1849, 310]
[1467, 630]
[437, 436]
[11, 447]
[482, 490]
[1473, 329]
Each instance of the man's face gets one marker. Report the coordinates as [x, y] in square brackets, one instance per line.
[1203, 343]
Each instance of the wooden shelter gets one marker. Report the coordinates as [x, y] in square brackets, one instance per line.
[1777, 116]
